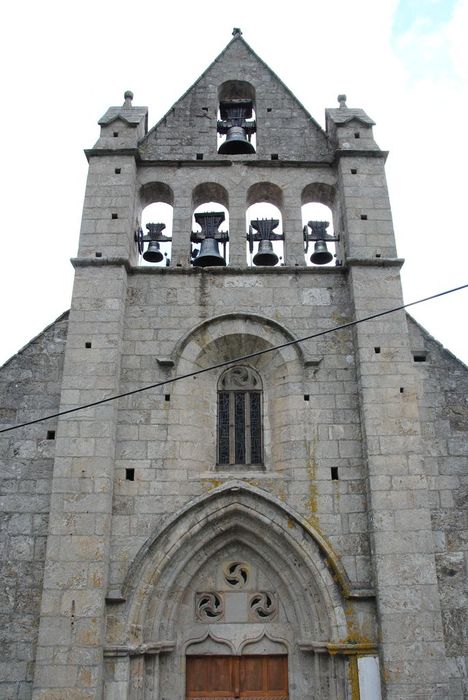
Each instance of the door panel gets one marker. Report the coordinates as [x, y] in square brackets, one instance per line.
[211, 677]
[233, 677]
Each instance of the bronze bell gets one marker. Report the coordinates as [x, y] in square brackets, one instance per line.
[321, 254]
[236, 142]
[153, 253]
[209, 255]
[265, 254]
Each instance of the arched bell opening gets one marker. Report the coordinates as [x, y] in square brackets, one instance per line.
[154, 233]
[236, 118]
[264, 225]
[317, 213]
[210, 226]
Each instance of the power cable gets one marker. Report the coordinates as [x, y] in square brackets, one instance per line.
[235, 360]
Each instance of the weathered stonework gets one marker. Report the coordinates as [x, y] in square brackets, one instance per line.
[346, 543]
[30, 388]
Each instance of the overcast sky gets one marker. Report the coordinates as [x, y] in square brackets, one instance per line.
[405, 63]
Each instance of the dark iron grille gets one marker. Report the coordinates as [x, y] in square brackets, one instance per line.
[239, 422]
[223, 428]
[255, 430]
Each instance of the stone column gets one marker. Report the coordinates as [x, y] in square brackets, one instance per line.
[72, 625]
[292, 227]
[411, 636]
[237, 226]
[412, 647]
[181, 227]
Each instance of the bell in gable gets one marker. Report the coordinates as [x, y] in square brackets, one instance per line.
[234, 124]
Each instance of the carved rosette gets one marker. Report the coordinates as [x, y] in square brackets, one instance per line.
[209, 607]
[236, 574]
[262, 606]
[240, 378]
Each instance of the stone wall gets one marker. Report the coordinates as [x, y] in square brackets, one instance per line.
[313, 458]
[444, 419]
[30, 388]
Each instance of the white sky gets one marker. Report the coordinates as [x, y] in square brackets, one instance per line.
[405, 63]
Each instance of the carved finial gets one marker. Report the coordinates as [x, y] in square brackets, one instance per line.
[236, 31]
[128, 98]
[342, 101]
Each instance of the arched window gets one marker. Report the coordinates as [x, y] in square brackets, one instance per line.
[319, 208]
[210, 197]
[156, 213]
[236, 125]
[265, 201]
[240, 417]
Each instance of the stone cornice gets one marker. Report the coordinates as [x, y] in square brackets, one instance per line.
[375, 262]
[98, 152]
[338, 648]
[102, 262]
[362, 153]
[147, 649]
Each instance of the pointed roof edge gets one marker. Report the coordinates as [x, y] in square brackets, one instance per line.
[38, 335]
[430, 337]
[237, 37]
[109, 118]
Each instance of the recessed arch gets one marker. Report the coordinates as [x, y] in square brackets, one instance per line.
[210, 192]
[227, 324]
[266, 192]
[320, 192]
[154, 192]
[188, 553]
[236, 90]
[231, 509]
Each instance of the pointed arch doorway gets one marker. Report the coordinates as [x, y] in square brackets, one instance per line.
[228, 601]
[232, 677]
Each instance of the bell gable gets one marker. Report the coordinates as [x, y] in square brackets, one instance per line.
[273, 120]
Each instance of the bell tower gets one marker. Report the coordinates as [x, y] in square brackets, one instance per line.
[262, 525]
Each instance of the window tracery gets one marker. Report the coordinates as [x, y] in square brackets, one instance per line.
[240, 417]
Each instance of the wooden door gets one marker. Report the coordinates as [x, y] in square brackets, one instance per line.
[232, 677]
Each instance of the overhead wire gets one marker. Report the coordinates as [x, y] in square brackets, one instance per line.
[242, 358]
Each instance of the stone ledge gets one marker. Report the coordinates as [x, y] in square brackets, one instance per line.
[101, 262]
[375, 262]
[228, 270]
[341, 648]
[97, 152]
[260, 163]
[361, 153]
[221, 476]
[148, 649]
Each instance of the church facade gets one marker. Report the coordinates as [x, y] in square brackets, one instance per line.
[276, 518]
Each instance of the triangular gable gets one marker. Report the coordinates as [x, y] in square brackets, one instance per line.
[56, 330]
[284, 126]
[424, 339]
